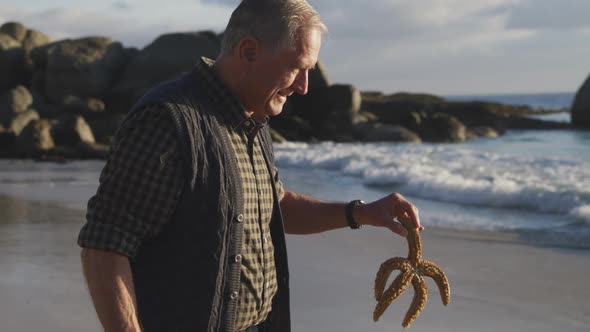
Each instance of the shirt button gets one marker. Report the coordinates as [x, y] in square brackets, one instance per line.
[233, 295]
[240, 218]
[238, 258]
[265, 239]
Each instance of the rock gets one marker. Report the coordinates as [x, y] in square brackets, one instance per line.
[13, 69]
[21, 120]
[477, 132]
[15, 30]
[82, 150]
[157, 63]
[363, 117]
[104, 126]
[34, 39]
[7, 139]
[276, 137]
[317, 78]
[35, 139]
[83, 106]
[85, 67]
[293, 127]
[71, 130]
[397, 108]
[521, 122]
[7, 42]
[442, 127]
[15, 101]
[329, 110]
[581, 107]
[378, 132]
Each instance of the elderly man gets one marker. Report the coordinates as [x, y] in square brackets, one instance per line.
[186, 230]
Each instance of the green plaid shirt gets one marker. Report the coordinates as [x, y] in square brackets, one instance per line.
[141, 183]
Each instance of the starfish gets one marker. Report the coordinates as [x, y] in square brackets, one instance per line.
[413, 269]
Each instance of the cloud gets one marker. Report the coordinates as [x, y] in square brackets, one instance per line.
[122, 5]
[550, 14]
[133, 28]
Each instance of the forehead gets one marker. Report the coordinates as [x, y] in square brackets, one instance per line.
[307, 47]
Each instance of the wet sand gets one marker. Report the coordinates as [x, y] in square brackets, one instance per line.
[498, 282]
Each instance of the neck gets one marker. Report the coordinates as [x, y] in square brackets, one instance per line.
[231, 76]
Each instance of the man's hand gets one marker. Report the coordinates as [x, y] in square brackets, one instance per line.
[381, 213]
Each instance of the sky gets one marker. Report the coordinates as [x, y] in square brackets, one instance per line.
[445, 47]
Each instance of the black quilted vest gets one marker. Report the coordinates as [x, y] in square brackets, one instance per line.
[186, 278]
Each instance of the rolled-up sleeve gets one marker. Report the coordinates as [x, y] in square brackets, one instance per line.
[139, 186]
[278, 183]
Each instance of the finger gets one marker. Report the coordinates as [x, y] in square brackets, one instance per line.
[413, 214]
[397, 228]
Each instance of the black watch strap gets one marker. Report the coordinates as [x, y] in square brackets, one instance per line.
[348, 209]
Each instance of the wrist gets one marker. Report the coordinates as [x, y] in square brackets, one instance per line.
[351, 211]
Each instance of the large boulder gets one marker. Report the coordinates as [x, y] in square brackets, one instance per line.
[33, 39]
[165, 58]
[378, 132]
[7, 140]
[70, 130]
[442, 127]
[329, 110]
[85, 67]
[21, 120]
[318, 77]
[35, 139]
[15, 30]
[581, 106]
[13, 69]
[104, 126]
[480, 132]
[14, 101]
[83, 106]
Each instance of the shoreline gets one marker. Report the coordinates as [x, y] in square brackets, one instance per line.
[495, 284]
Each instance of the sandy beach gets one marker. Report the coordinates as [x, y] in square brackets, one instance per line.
[498, 281]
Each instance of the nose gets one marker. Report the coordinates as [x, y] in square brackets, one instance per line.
[300, 83]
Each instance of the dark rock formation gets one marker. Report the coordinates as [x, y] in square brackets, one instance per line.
[581, 106]
[157, 63]
[35, 139]
[70, 130]
[85, 67]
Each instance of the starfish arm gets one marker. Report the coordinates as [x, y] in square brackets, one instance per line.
[397, 287]
[396, 263]
[434, 271]
[414, 243]
[419, 301]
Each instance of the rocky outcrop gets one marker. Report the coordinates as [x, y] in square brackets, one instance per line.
[15, 30]
[13, 102]
[12, 63]
[70, 130]
[442, 127]
[66, 99]
[35, 139]
[581, 107]
[379, 132]
[85, 67]
[156, 63]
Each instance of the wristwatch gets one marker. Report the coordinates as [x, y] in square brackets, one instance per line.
[348, 209]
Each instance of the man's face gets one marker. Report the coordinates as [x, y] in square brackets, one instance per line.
[281, 73]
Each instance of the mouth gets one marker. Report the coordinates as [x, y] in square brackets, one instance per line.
[285, 93]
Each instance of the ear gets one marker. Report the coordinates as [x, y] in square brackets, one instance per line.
[248, 49]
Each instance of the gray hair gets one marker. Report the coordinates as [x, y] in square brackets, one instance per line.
[276, 23]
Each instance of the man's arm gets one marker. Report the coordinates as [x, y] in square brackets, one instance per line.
[110, 282]
[307, 215]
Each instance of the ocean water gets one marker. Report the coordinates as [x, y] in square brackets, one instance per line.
[533, 183]
[557, 100]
